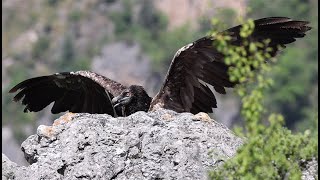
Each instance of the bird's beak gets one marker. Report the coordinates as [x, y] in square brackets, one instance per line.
[116, 101]
[119, 100]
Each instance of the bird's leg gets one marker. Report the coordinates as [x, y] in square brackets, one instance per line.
[201, 116]
[123, 111]
[64, 118]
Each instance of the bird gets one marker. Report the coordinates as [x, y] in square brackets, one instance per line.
[193, 70]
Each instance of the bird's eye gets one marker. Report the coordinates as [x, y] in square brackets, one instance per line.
[126, 94]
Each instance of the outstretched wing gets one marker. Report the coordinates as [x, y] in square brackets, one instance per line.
[78, 92]
[199, 63]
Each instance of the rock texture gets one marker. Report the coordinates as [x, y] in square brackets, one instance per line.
[311, 171]
[155, 145]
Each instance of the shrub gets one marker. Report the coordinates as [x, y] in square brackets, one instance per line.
[271, 151]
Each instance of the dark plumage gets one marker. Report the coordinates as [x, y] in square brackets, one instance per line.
[185, 88]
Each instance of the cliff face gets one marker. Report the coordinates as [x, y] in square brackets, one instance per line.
[155, 145]
[181, 11]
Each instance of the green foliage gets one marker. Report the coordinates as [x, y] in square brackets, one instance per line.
[225, 15]
[17, 119]
[67, 54]
[109, 1]
[294, 93]
[280, 8]
[123, 20]
[270, 151]
[75, 15]
[70, 60]
[52, 2]
[151, 19]
[40, 47]
[274, 153]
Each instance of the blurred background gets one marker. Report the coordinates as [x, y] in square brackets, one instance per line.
[133, 42]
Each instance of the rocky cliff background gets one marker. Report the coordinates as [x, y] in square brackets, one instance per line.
[133, 42]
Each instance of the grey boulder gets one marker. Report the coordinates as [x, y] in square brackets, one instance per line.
[154, 145]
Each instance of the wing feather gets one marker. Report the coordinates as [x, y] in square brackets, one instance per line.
[79, 92]
[201, 62]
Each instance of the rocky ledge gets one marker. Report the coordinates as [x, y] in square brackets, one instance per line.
[154, 145]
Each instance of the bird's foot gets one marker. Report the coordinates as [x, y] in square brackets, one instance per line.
[201, 116]
[50, 131]
[64, 119]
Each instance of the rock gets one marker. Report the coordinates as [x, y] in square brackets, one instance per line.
[154, 145]
[311, 170]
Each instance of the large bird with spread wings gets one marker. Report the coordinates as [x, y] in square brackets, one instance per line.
[185, 88]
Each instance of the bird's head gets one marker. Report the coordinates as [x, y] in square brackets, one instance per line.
[131, 100]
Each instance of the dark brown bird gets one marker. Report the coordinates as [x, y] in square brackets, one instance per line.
[185, 88]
